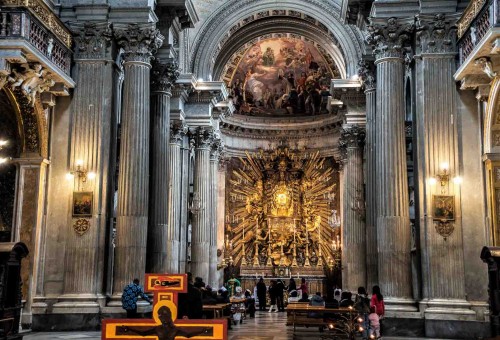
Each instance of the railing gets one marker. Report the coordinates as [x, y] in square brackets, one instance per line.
[478, 18]
[50, 39]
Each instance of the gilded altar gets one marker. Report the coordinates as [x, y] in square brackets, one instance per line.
[282, 213]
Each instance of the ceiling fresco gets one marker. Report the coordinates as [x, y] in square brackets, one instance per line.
[281, 76]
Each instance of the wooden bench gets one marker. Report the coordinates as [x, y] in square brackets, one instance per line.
[299, 315]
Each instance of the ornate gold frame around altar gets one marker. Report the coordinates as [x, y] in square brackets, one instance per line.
[281, 211]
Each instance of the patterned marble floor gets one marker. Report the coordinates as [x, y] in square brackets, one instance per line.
[265, 326]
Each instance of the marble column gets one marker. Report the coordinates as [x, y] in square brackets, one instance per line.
[393, 221]
[367, 75]
[200, 205]
[354, 233]
[90, 145]
[186, 168]
[163, 240]
[138, 43]
[214, 195]
[443, 271]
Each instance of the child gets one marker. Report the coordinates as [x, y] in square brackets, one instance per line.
[374, 323]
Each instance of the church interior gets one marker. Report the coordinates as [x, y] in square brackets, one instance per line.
[350, 143]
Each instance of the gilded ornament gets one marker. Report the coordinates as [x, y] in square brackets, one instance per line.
[445, 228]
[81, 226]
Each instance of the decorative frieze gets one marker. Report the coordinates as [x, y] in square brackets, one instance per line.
[388, 38]
[139, 41]
[92, 40]
[163, 76]
[436, 33]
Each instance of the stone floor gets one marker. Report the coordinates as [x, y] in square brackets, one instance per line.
[265, 326]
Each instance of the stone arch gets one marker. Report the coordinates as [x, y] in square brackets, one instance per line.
[217, 30]
[492, 119]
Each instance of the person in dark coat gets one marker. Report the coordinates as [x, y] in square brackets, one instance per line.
[190, 303]
[261, 294]
[280, 288]
[292, 285]
[272, 295]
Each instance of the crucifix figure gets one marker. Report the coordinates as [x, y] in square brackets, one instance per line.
[164, 325]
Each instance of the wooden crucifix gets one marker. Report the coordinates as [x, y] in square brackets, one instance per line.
[164, 325]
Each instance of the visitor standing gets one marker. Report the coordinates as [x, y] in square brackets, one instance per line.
[303, 286]
[280, 288]
[377, 301]
[292, 285]
[261, 294]
[190, 303]
[362, 306]
[129, 298]
[374, 324]
[272, 295]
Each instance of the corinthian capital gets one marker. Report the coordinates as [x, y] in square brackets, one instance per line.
[436, 33]
[92, 40]
[366, 73]
[139, 41]
[202, 137]
[352, 137]
[163, 76]
[388, 38]
[177, 130]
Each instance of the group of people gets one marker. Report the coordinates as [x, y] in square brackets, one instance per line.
[190, 304]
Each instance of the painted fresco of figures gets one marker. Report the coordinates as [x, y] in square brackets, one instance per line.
[268, 57]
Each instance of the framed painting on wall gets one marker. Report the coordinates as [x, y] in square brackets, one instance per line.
[82, 203]
[443, 207]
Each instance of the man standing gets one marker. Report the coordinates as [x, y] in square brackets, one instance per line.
[190, 303]
[129, 298]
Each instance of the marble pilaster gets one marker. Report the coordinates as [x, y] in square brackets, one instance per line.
[90, 144]
[354, 233]
[200, 205]
[443, 270]
[214, 195]
[367, 74]
[138, 43]
[163, 237]
[388, 37]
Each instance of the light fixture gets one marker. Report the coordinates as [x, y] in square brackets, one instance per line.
[80, 172]
[443, 177]
[3, 143]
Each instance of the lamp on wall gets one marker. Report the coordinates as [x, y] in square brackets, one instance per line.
[3, 143]
[443, 177]
[81, 173]
[225, 253]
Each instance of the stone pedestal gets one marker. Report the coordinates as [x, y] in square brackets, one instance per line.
[443, 271]
[354, 233]
[163, 238]
[393, 221]
[133, 181]
[200, 205]
[367, 75]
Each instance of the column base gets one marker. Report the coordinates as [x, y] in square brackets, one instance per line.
[77, 304]
[404, 308]
[447, 309]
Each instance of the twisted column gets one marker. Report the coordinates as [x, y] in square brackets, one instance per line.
[200, 236]
[366, 73]
[162, 236]
[354, 234]
[393, 221]
[138, 43]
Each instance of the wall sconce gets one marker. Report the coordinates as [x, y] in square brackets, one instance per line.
[3, 160]
[195, 206]
[81, 173]
[443, 177]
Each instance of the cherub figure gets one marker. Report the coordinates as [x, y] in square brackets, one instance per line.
[166, 331]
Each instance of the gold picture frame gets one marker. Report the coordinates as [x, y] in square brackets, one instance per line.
[82, 203]
[443, 207]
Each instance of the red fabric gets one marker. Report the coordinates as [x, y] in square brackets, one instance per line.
[303, 287]
[379, 305]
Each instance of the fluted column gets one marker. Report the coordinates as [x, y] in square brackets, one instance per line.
[437, 145]
[393, 221]
[200, 236]
[138, 42]
[91, 148]
[214, 175]
[354, 233]
[163, 239]
[186, 164]
[366, 73]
